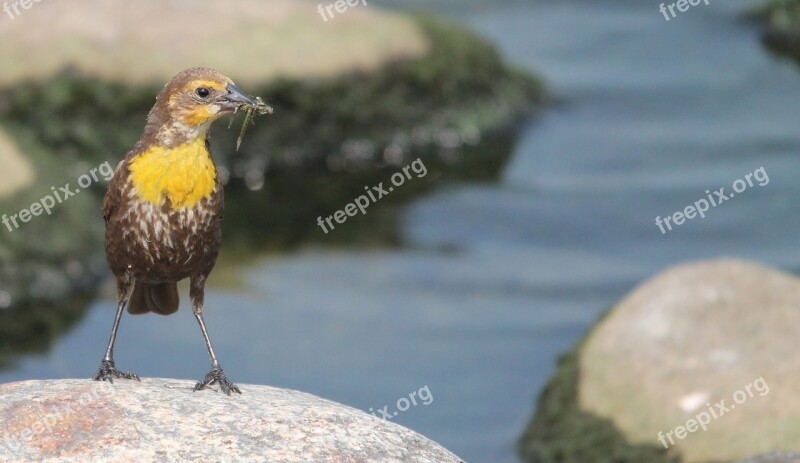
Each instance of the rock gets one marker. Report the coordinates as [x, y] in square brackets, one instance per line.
[164, 420]
[694, 335]
[774, 457]
[666, 356]
[16, 172]
[252, 42]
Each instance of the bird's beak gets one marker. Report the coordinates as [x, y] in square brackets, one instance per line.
[235, 98]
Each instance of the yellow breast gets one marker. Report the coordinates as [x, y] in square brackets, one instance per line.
[185, 174]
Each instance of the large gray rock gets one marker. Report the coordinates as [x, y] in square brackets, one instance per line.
[164, 420]
[693, 336]
[250, 40]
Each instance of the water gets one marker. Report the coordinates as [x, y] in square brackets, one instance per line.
[500, 278]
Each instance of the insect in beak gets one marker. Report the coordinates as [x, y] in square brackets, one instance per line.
[251, 107]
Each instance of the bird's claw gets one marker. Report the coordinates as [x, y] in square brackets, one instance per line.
[107, 372]
[216, 376]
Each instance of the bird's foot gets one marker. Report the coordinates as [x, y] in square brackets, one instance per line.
[217, 376]
[107, 372]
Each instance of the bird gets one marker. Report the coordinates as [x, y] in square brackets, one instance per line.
[163, 209]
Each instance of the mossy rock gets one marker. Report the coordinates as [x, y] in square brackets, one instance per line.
[561, 432]
[328, 137]
[679, 344]
[461, 84]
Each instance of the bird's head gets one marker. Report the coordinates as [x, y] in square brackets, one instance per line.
[190, 103]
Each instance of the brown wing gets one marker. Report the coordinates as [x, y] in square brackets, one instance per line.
[114, 190]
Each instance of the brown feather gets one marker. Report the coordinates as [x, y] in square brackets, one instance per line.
[161, 298]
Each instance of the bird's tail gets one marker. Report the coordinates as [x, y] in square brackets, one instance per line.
[161, 298]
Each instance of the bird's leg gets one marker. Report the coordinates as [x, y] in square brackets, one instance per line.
[108, 371]
[215, 375]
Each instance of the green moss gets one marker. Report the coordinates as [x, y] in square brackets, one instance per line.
[560, 432]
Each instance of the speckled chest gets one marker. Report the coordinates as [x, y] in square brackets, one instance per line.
[162, 243]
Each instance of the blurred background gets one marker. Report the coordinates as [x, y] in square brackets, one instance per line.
[553, 133]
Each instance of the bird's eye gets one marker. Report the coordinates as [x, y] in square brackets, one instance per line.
[202, 92]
